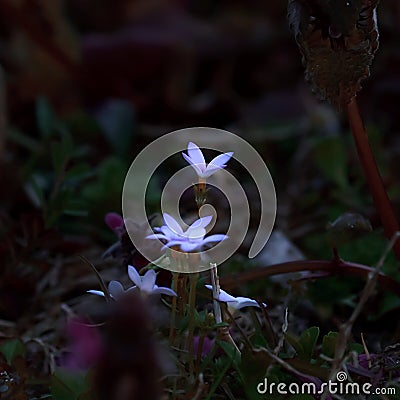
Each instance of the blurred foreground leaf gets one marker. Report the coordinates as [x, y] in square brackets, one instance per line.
[67, 385]
[12, 348]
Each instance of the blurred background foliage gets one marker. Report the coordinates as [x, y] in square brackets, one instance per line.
[86, 84]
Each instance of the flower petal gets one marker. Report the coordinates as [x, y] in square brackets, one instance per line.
[164, 290]
[172, 224]
[195, 234]
[226, 297]
[148, 281]
[172, 243]
[156, 236]
[187, 246]
[134, 276]
[219, 161]
[169, 233]
[201, 222]
[196, 155]
[223, 296]
[243, 302]
[115, 288]
[96, 292]
[199, 168]
[214, 238]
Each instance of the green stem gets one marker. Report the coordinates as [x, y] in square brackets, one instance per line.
[192, 306]
[199, 352]
[371, 172]
[219, 379]
[175, 277]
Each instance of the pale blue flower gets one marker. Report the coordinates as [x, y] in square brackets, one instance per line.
[196, 159]
[115, 289]
[147, 283]
[235, 303]
[193, 238]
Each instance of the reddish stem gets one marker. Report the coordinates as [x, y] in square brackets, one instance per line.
[371, 172]
[333, 267]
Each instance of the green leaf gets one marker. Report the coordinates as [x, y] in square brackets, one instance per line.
[294, 342]
[308, 340]
[220, 325]
[67, 385]
[230, 350]
[12, 348]
[117, 120]
[305, 344]
[18, 137]
[329, 344]
[357, 347]
[222, 365]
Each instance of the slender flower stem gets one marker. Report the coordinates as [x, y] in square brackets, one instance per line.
[216, 292]
[199, 352]
[267, 319]
[371, 172]
[192, 306]
[223, 331]
[175, 277]
[241, 331]
[200, 192]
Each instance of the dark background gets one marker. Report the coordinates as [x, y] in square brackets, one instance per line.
[116, 74]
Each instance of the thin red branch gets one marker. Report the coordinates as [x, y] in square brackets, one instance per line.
[332, 267]
[371, 172]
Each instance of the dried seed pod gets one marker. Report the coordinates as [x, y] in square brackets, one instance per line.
[346, 228]
[338, 40]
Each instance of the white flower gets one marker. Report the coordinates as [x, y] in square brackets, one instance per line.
[193, 238]
[147, 283]
[235, 302]
[115, 289]
[196, 159]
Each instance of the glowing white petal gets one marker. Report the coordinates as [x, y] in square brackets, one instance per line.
[134, 276]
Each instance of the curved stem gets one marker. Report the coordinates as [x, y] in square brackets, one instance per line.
[335, 268]
[371, 172]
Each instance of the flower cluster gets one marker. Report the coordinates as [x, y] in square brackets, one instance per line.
[146, 284]
[194, 238]
[191, 239]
